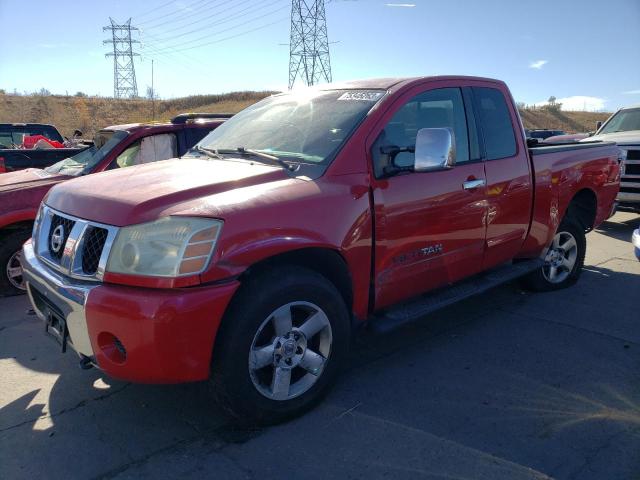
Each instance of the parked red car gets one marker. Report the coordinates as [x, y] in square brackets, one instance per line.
[251, 261]
[117, 146]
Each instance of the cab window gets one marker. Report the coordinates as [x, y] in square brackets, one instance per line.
[149, 149]
[495, 122]
[441, 108]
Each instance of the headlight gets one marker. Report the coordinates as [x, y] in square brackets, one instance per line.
[36, 223]
[169, 247]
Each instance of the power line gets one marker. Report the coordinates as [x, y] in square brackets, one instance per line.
[180, 47]
[309, 58]
[152, 10]
[180, 12]
[124, 73]
[233, 16]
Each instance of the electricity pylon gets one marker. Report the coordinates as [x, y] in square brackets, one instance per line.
[309, 45]
[124, 73]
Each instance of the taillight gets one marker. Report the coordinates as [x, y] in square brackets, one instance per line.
[3, 169]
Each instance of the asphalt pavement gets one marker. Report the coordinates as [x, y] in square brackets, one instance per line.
[507, 385]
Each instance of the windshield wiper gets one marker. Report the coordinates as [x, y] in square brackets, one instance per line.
[257, 153]
[207, 151]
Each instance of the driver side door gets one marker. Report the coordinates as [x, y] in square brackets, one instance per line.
[430, 226]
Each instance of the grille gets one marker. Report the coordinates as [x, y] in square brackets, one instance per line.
[632, 168]
[633, 154]
[67, 225]
[94, 240]
[91, 241]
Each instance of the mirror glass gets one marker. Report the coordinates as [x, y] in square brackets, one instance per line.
[435, 149]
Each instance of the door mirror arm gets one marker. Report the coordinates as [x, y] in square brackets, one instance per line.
[392, 151]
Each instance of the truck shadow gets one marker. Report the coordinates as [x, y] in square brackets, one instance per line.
[116, 426]
[620, 229]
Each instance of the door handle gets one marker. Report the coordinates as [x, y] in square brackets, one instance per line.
[473, 184]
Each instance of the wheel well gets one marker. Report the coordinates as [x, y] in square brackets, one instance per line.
[7, 229]
[583, 208]
[326, 262]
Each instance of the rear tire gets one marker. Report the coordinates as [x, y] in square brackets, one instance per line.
[282, 343]
[564, 260]
[11, 279]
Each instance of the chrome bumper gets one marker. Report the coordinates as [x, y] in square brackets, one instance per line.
[626, 197]
[49, 291]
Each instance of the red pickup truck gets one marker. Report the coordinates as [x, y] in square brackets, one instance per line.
[251, 261]
[114, 147]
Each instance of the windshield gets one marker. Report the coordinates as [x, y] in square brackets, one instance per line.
[623, 121]
[83, 162]
[307, 126]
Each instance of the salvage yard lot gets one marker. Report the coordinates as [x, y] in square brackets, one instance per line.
[509, 385]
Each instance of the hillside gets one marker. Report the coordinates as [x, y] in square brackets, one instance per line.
[571, 122]
[89, 114]
[92, 113]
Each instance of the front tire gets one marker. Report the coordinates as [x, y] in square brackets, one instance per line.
[282, 342]
[11, 279]
[563, 260]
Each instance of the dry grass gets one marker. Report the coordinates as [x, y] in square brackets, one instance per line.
[571, 122]
[92, 113]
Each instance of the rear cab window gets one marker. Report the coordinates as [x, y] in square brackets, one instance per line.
[495, 123]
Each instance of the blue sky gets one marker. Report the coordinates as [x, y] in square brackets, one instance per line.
[565, 48]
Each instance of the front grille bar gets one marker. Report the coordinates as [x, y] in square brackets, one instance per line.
[85, 249]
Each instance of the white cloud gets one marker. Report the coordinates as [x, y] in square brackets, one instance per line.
[405, 5]
[579, 103]
[538, 64]
[632, 92]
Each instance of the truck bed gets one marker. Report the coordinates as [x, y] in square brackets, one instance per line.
[559, 172]
[19, 159]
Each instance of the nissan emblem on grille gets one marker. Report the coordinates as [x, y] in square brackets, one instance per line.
[73, 246]
[57, 238]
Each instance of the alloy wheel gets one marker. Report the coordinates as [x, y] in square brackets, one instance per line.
[14, 271]
[290, 350]
[560, 258]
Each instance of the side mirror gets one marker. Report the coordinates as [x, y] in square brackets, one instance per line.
[435, 150]
[598, 125]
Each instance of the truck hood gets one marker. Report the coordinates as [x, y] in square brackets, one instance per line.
[26, 179]
[630, 137]
[146, 192]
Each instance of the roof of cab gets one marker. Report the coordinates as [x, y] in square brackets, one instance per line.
[131, 127]
[387, 83]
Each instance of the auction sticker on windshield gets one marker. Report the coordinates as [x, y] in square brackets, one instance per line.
[362, 95]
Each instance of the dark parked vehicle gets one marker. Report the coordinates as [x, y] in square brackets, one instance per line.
[14, 157]
[114, 147]
[543, 134]
[566, 138]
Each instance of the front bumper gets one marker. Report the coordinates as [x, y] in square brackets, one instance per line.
[635, 239]
[134, 334]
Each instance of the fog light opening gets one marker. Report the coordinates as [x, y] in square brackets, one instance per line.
[112, 347]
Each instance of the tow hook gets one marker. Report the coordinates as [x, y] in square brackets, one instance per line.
[86, 363]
